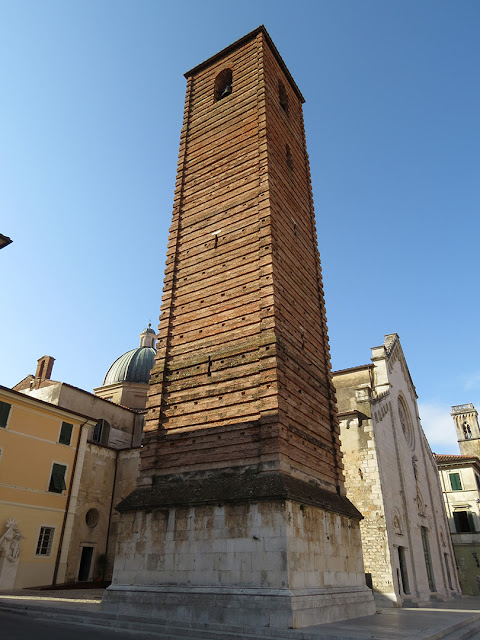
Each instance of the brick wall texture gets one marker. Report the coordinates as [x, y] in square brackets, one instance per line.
[242, 373]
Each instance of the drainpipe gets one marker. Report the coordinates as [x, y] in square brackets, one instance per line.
[111, 502]
[72, 477]
[134, 427]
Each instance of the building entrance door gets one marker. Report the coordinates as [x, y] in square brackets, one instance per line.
[85, 563]
[403, 570]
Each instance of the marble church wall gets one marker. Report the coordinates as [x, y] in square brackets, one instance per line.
[391, 477]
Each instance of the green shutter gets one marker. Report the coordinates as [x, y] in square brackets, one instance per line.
[4, 413]
[57, 479]
[455, 482]
[66, 433]
[470, 521]
[457, 521]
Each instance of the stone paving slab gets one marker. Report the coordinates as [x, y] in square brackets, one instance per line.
[396, 624]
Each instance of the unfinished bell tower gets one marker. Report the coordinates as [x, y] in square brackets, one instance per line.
[241, 493]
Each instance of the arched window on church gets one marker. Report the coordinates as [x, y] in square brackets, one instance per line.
[223, 84]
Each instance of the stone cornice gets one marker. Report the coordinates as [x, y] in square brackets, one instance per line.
[232, 487]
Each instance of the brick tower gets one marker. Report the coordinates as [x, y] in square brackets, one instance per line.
[240, 514]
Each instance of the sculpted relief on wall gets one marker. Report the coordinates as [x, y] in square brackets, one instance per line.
[10, 540]
[9, 553]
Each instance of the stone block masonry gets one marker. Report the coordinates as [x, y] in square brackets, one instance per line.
[241, 407]
[279, 564]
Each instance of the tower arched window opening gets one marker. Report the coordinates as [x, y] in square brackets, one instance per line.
[223, 84]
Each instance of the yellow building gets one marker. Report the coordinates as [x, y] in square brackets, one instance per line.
[107, 462]
[42, 449]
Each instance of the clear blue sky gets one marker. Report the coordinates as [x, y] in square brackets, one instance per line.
[90, 116]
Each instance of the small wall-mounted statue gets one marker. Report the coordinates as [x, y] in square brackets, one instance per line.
[421, 506]
[397, 523]
[10, 541]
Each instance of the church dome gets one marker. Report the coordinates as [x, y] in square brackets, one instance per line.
[136, 364]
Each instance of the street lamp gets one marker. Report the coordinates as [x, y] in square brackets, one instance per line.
[4, 241]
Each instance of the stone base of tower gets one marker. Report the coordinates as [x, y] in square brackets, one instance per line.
[258, 562]
[240, 607]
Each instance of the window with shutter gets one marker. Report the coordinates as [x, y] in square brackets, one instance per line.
[100, 432]
[471, 524]
[66, 433]
[57, 479]
[455, 482]
[4, 413]
[97, 431]
[463, 522]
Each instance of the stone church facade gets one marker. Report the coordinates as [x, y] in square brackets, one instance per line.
[391, 477]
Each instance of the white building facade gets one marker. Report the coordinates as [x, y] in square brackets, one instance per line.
[391, 477]
[460, 481]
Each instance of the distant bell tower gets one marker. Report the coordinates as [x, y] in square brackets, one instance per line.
[240, 514]
[465, 417]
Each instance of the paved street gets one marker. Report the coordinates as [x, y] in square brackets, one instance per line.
[21, 627]
[386, 624]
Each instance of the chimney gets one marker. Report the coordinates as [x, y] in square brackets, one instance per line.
[44, 370]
